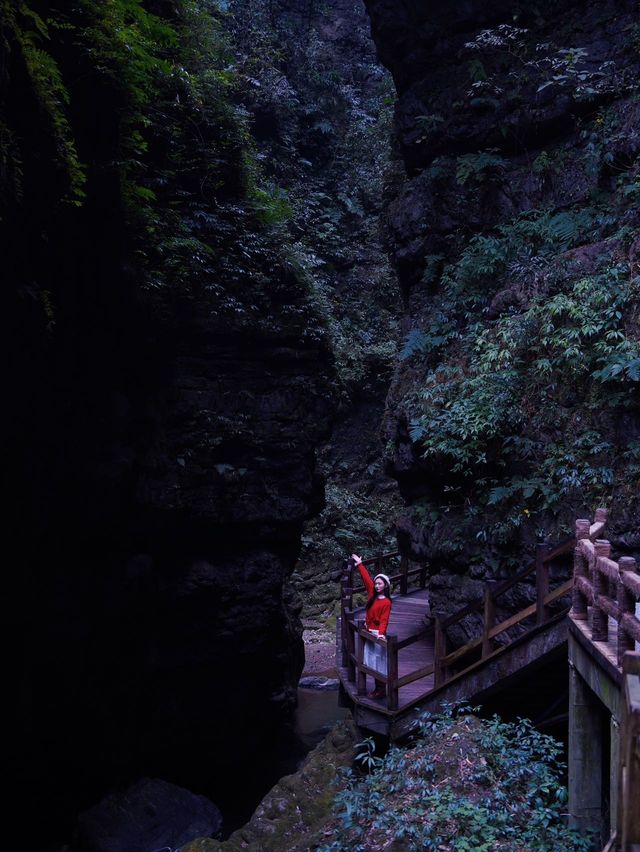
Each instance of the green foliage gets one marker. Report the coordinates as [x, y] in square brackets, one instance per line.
[169, 72]
[529, 346]
[270, 202]
[321, 153]
[546, 64]
[32, 34]
[479, 167]
[537, 234]
[465, 784]
[353, 519]
[518, 374]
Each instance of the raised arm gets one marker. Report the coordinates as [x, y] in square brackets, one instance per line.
[366, 577]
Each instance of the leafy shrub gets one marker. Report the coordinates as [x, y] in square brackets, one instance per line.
[500, 381]
[466, 784]
[477, 167]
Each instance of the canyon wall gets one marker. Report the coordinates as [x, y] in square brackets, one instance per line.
[168, 378]
[514, 407]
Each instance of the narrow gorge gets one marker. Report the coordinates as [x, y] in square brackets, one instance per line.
[281, 279]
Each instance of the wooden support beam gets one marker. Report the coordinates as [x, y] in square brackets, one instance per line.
[488, 622]
[600, 622]
[392, 672]
[439, 653]
[361, 677]
[629, 773]
[542, 583]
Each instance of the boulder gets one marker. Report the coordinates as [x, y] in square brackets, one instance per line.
[151, 815]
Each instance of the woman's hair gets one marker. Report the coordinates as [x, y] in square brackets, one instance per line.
[386, 592]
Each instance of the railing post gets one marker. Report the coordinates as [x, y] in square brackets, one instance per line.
[351, 568]
[404, 567]
[439, 652]
[392, 672]
[542, 583]
[361, 677]
[345, 604]
[627, 604]
[423, 575]
[579, 602]
[347, 582]
[344, 610]
[600, 515]
[600, 619]
[351, 645]
[488, 622]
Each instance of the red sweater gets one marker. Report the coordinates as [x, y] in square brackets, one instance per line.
[377, 617]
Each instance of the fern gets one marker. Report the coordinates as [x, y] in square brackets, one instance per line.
[477, 166]
[29, 31]
[415, 342]
[568, 227]
[617, 369]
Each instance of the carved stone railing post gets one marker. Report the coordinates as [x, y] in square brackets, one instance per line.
[600, 516]
[627, 603]
[579, 602]
[600, 619]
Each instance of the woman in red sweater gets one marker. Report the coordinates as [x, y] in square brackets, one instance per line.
[378, 611]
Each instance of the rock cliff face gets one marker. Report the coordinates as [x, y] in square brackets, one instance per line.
[515, 404]
[160, 432]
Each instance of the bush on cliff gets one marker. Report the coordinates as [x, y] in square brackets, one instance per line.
[466, 783]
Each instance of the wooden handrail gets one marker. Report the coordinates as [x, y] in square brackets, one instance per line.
[354, 635]
[503, 586]
[393, 577]
[553, 551]
[594, 573]
[545, 554]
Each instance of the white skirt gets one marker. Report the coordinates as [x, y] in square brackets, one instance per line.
[375, 656]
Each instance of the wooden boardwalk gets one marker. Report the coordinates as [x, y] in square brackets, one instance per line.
[423, 671]
[408, 617]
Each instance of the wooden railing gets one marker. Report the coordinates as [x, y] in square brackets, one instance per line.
[354, 633]
[485, 644]
[449, 664]
[379, 565]
[610, 588]
[628, 822]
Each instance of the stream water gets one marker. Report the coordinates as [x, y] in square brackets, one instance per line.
[317, 713]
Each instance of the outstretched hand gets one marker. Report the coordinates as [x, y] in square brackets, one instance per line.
[357, 559]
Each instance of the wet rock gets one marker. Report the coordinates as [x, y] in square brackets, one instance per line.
[153, 814]
[319, 683]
